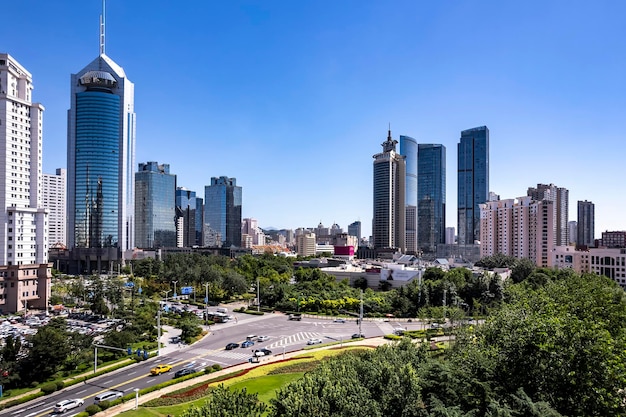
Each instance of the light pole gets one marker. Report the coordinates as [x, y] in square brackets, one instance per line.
[136, 398]
[174, 296]
[258, 295]
[167, 292]
[206, 302]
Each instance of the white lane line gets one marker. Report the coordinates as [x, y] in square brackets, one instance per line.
[131, 373]
[19, 411]
[30, 415]
[109, 382]
[80, 392]
[35, 405]
[128, 389]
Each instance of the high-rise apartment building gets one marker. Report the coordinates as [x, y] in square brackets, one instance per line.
[473, 182]
[409, 149]
[155, 211]
[55, 201]
[186, 214]
[450, 234]
[222, 212]
[24, 240]
[572, 227]
[521, 229]
[431, 192]
[354, 229]
[560, 196]
[389, 220]
[100, 164]
[586, 224]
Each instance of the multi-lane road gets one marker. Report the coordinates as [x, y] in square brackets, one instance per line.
[284, 336]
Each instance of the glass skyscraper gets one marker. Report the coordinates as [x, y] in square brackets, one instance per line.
[100, 162]
[431, 194]
[586, 224]
[389, 211]
[222, 212]
[473, 182]
[155, 214]
[186, 208]
[408, 149]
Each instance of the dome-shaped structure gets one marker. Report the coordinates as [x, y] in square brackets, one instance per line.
[98, 78]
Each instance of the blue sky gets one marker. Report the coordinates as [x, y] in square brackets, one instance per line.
[294, 97]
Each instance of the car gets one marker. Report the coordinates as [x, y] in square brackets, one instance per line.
[358, 336]
[183, 372]
[251, 337]
[436, 326]
[107, 396]
[262, 338]
[232, 346]
[262, 352]
[63, 406]
[159, 369]
[339, 320]
[314, 341]
[247, 344]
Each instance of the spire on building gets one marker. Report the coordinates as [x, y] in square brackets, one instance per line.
[102, 28]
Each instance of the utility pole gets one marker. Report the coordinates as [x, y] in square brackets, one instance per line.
[444, 305]
[361, 314]
[206, 302]
[159, 330]
[258, 295]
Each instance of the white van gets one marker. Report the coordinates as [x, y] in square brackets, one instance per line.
[107, 396]
[222, 310]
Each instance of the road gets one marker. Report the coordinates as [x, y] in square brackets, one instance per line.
[284, 336]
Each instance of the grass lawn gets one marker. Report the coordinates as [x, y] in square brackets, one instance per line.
[255, 381]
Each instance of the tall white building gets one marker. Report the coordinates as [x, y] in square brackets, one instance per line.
[521, 228]
[23, 220]
[560, 197]
[54, 199]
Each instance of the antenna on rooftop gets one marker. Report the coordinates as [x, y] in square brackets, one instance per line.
[102, 32]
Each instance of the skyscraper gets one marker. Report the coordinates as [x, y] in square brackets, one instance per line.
[389, 220]
[560, 196]
[431, 193]
[55, 200]
[473, 182]
[186, 210]
[24, 235]
[100, 161]
[354, 229]
[586, 224]
[408, 149]
[155, 212]
[222, 211]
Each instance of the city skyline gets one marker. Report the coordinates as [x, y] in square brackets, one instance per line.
[270, 83]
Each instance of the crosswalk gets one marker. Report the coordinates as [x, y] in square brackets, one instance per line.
[294, 339]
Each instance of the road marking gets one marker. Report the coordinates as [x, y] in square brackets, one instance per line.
[131, 373]
[35, 405]
[128, 389]
[29, 415]
[19, 411]
[80, 392]
[109, 382]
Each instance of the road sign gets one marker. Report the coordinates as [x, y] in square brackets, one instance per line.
[186, 290]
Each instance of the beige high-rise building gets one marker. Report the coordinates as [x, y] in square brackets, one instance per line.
[305, 244]
[55, 200]
[560, 197]
[24, 270]
[520, 228]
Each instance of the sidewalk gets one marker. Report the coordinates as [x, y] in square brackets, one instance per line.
[130, 405]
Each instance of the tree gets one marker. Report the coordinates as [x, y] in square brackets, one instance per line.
[48, 352]
[223, 402]
[522, 269]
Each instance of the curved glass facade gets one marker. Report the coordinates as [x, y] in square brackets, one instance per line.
[97, 169]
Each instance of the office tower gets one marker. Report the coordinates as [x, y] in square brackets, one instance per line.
[389, 220]
[354, 229]
[473, 182]
[572, 232]
[586, 224]
[615, 239]
[24, 237]
[408, 149]
[186, 215]
[155, 211]
[55, 201]
[431, 194]
[305, 244]
[222, 211]
[560, 196]
[100, 162]
[519, 228]
[450, 232]
[199, 221]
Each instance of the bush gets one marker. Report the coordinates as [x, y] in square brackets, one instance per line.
[104, 405]
[216, 367]
[253, 312]
[92, 409]
[393, 337]
[60, 385]
[48, 388]
[82, 414]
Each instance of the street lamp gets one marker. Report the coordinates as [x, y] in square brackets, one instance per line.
[136, 398]
[206, 302]
[166, 293]
[175, 282]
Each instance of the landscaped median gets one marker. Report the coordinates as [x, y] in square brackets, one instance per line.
[171, 399]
